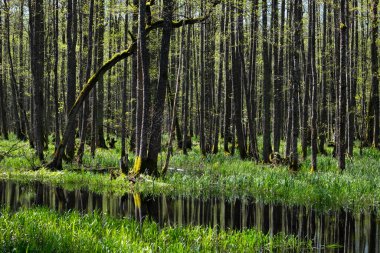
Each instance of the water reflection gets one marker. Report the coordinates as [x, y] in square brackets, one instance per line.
[355, 232]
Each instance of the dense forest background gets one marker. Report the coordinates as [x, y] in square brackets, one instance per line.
[274, 80]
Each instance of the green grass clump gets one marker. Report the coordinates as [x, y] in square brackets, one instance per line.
[43, 230]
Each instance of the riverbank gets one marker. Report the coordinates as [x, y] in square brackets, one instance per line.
[357, 188]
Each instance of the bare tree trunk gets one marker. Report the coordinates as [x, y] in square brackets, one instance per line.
[237, 90]
[252, 80]
[123, 155]
[266, 89]
[55, 84]
[314, 82]
[186, 140]
[336, 75]
[3, 111]
[342, 85]
[170, 144]
[100, 141]
[228, 87]
[220, 81]
[21, 96]
[159, 102]
[36, 20]
[86, 109]
[305, 141]
[323, 119]
[373, 107]
[296, 81]
[71, 69]
[353, 82]
[20, 135]
[132, 143]
[144, 80]
[277, 82]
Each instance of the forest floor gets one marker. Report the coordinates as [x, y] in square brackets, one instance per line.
[357, 188]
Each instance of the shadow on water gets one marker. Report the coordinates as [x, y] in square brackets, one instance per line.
[353, 232]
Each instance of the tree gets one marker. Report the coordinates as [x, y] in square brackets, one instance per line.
[373, 107]
[3, 111]
[55, 84]
[86, 109]
[123, 155]
[36, 23]
[277, 84]
[159, 101]
[314, 94]
[99, 114]
[342, 85]
[15, 91]
[71, 35]
[296, 80]
[266, 88]
[237, 89]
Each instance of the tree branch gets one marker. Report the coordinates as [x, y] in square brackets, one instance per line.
[56, 163]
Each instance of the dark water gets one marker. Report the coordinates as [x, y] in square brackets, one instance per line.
[353, 232]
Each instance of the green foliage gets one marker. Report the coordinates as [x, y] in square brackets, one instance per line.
[43, 230]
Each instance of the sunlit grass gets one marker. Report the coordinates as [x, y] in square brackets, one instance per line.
[43, 230]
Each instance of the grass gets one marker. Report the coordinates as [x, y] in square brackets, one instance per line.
[356, 188]
[43, 230]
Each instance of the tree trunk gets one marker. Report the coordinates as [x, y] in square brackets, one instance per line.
[342, 85]
[228, 87]
[323, 119]
[170, 144]
[252, 80]
[296, 81]
[55, 84]
[237, 90]
[86, 108]
[21, 96]
[314, 95]
[353, 82]
[220, 81]
[144, 81]
[277, 82]
[266, 89]
[123, 155]
[159, 102]
[71, 69]
[20, 135]
[308, 84]
[100, 141]
[373, 107]
[3, 109]
[132, 143]
[37, 35]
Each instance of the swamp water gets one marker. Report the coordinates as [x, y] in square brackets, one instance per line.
[335, 231]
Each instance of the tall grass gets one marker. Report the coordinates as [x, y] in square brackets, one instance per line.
[43, 230]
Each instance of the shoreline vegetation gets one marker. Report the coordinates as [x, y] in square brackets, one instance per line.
[357, 188]
[44, 230]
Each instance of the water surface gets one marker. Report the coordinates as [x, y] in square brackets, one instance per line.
[353, 232]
